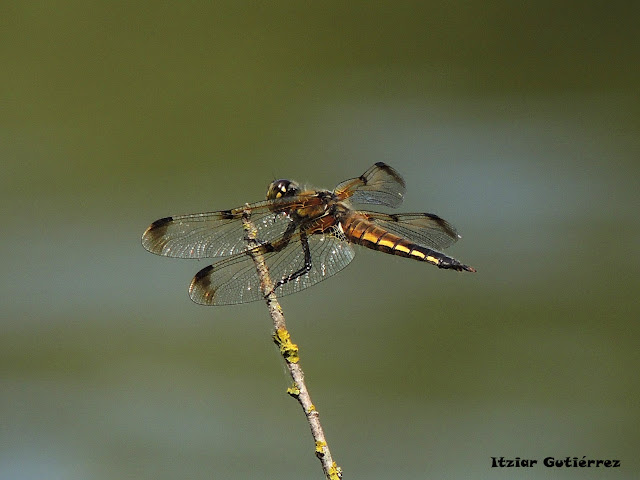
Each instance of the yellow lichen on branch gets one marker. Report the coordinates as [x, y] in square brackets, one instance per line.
[288, 349]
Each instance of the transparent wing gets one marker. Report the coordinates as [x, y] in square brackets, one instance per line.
[234, 280]
[214, 234]
[424, 229]
[380, 185]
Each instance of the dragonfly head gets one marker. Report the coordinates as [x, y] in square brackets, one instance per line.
[282, 188]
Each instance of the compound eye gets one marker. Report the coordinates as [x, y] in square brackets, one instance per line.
[282, 188]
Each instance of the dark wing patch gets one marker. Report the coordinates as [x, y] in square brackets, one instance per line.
[380, 185]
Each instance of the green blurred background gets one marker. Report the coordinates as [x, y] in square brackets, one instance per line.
[518, 122]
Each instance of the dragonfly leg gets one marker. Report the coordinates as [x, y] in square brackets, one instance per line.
[305, 268]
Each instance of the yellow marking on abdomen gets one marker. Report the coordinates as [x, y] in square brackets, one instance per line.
[402, 248]
[370, 237]
[386, 243]
[417, 253]
[433, 260]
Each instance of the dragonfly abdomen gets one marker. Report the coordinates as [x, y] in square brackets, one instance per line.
[367, 234]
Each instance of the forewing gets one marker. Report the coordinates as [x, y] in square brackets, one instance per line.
[212, 234]
[380, 185]
[234, 280]
[424, 229]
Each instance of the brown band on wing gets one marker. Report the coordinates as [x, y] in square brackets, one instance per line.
[152, 238]
[389, 171]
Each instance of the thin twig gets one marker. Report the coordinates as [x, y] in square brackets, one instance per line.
[289, 352]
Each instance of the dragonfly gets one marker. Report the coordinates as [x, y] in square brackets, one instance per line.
[304, 236]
